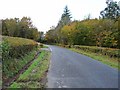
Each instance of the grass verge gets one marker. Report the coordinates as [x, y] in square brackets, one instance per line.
[44, 46]
[113, 62]
[41, 45]
[11, 67]
[32, 77]
[0, 75]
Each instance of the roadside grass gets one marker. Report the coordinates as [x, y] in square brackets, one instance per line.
[17, 64]
[41, 45]
[26, 85]
[31, 78]
[113, 62]
[44, 46]
[0, 75]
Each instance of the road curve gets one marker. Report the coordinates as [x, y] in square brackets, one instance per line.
[72, 70]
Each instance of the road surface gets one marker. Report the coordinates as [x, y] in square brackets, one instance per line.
[72, 70]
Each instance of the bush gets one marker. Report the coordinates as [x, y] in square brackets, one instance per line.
[68, 46]
[41, 45]
[14, 47]
[16, 52]
[5, 47]
[104, 51]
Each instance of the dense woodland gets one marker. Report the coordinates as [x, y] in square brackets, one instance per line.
[20, 28]
[101, 32]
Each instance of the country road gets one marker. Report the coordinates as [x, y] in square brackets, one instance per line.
[72, 70]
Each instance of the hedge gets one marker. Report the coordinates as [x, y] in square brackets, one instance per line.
[102, 50]
[14, 47]
[16, 53]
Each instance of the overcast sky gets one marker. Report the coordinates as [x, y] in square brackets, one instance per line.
[47, 13]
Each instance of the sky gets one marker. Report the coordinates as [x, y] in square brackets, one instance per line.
[47, 13]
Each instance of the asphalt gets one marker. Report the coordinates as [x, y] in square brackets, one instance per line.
[72, 70]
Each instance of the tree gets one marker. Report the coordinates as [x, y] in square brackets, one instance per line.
[112, 11]
[4, 28]
[24, 24]
[66, 16]
[49, 37]
[20, 28]
[11, 26]
[41, 37]
[88, 17]
[65, 20]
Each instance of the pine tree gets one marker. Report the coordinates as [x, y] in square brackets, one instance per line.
[65, 20]
[66, 16]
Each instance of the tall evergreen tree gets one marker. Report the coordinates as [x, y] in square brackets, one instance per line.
[65, 20]
[66, 16]
[112, 11]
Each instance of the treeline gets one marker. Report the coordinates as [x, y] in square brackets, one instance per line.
[20, 28]
[102, 32]
[95, 32]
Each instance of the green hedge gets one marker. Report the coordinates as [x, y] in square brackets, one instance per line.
[13, 47]
[16, 53]
[104, 51]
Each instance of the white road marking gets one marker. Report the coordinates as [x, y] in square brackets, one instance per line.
[64, 86]
[59, 87]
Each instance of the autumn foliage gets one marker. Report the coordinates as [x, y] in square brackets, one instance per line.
[92, 32]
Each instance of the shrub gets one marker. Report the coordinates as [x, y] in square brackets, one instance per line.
[41, 45]
[16, 52]
[5, 49]
[104, 51]
[17, 47]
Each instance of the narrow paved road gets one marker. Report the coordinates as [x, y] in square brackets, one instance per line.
[72, 70]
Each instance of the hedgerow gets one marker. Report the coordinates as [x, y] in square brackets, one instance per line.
[16, 53]
[14, 47]
[101, 50]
